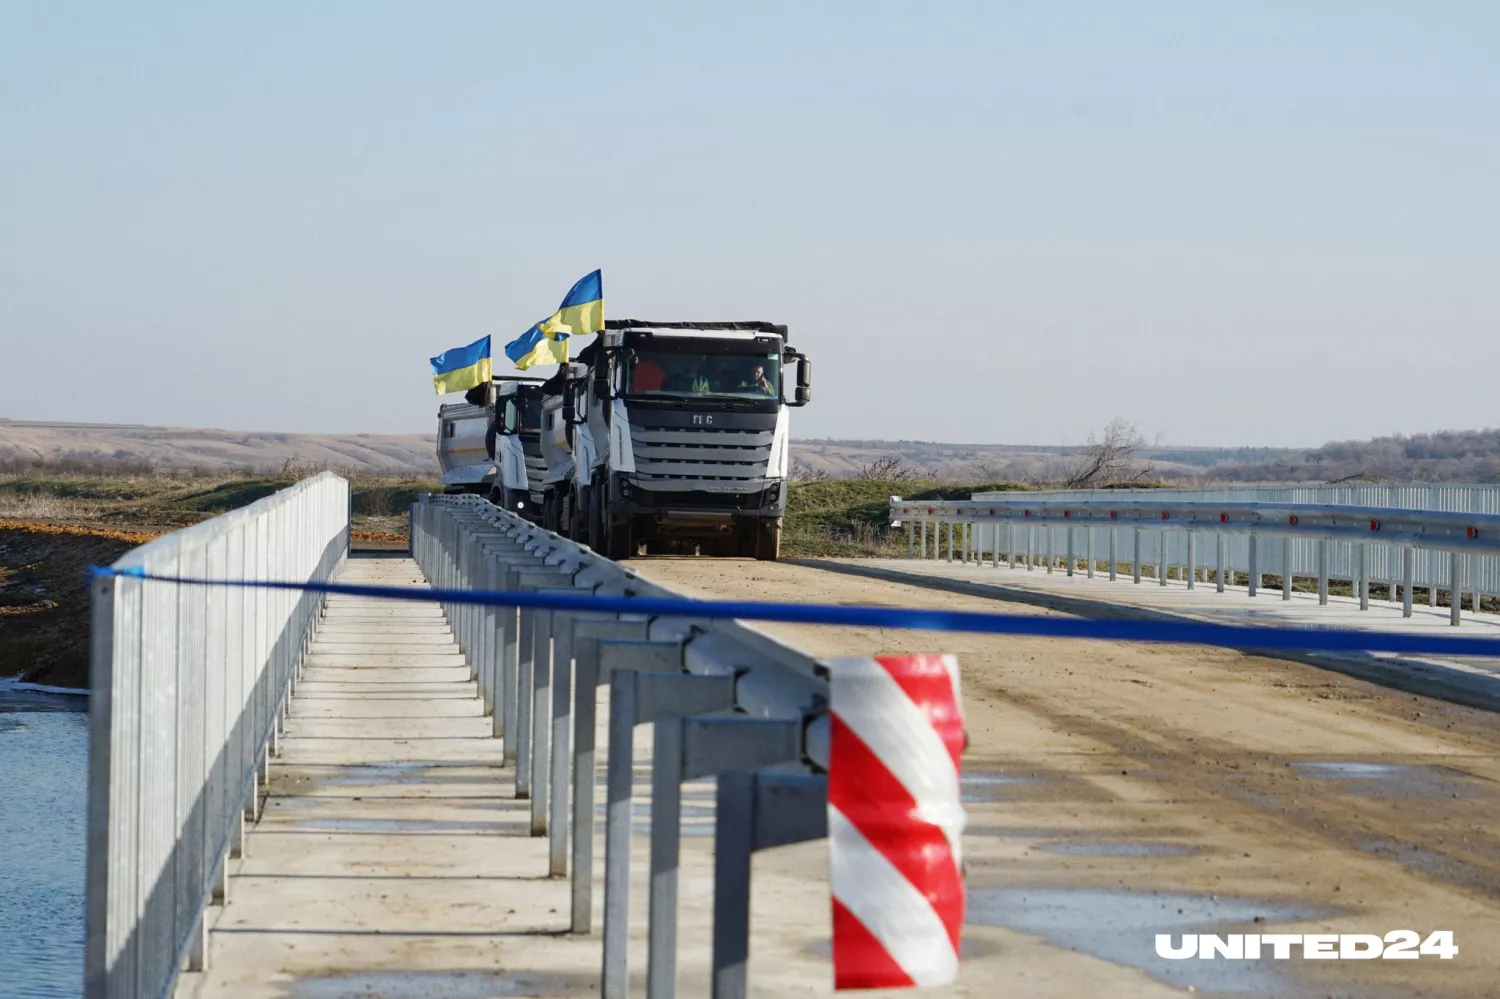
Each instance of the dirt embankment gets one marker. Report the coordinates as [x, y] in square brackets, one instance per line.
[44, 596]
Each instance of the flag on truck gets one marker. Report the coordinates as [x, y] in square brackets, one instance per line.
[582, 311]
[462, 368]
[535, 347]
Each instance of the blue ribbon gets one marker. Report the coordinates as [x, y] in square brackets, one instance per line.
[1169, 632]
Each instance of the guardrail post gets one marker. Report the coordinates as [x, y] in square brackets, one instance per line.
[587, 634]
[754, 811]
[1161, 560]
[1047, 530]
[1455, 592]
[1030, 547]
[1219, 545]
[950, 541]
[911, 547]
[1135, 563]
[1286, 567]
[1322, 571]
[1192, 559]
[924, 538]
[1113, 557]
[1010, 544]
[1070, 549]
[667, 700]
[1362, 576]
[1254, 564]
[624, 715]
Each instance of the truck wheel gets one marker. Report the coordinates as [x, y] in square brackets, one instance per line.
[768, 540]
[596, 519]
[619, 543]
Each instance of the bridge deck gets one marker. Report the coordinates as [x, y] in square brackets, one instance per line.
[392, 857]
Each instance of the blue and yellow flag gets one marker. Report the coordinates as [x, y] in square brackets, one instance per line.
[582, 311]
[462, 368]
[535, 347]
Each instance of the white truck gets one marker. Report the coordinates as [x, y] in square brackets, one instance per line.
[476, 457]
[679, 439]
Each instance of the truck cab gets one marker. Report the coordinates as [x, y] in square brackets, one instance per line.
[682, 436]
[518, 484]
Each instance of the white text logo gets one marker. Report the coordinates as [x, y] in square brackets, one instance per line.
[1397, 945]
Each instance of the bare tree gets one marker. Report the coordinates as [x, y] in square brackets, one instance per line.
[801, 471]
[890, 468]
[1109, 460]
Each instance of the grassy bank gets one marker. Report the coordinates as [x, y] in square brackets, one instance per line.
[851, 517]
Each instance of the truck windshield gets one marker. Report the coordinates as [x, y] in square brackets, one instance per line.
[736, 376]
[531, 414]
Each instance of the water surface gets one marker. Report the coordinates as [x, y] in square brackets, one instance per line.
[44, 747]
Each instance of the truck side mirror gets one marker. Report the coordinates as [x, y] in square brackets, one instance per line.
[803, 394]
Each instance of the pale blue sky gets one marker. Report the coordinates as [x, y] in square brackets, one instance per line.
[1271, 223]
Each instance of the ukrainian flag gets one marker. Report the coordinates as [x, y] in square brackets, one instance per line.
[535, 347]
[462, 368]
[582, 310]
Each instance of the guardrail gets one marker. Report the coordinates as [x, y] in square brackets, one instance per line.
[189, 687]
[1384, 563]
[726, 701]
[1021, 528]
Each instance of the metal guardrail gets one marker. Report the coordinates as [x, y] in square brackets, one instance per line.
[1384, 563]
[726, 701]
[189, 688]
[1022, 527]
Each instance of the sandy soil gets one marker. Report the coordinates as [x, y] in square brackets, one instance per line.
[1111, 784]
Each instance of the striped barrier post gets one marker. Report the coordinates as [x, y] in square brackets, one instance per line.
[895, 820]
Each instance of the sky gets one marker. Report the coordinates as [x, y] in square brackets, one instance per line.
[1273, 223]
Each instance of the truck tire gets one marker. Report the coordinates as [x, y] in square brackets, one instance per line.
[595, 519]
[768, 540]
[619, 542]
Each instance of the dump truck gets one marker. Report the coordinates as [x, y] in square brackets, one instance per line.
[680, 437]
[476, 458]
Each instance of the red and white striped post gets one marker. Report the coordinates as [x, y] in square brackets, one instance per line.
[895, 820]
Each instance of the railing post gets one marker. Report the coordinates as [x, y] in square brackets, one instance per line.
[1089, 547]
[1219, 545]
[1070, 549]
[1455, 584]
[1030, 547]
[1047, 530]
[911, 547]
[1135, 563]
[1322, 571]
[1286, 567]
[1254, 566]
[1362, 576]
[1161, 560]
[1113, 557]
[1192, 559]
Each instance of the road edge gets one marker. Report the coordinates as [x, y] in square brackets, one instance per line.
[1425, 677]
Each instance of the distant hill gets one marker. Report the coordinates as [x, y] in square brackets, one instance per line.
[178, 447]
[1449, 456]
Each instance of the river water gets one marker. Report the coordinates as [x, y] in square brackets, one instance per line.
[44, 749]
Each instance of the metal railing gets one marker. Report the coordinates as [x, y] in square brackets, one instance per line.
[725, 700]
[1359, 544]
[189, 687]
[1384, 563]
